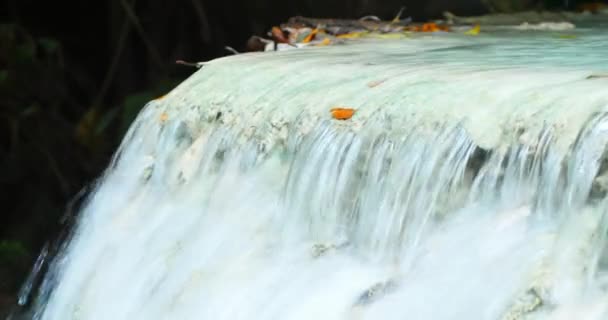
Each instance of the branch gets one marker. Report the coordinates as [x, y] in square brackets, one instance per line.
[202, 17]
[122, 40]
[140, 30]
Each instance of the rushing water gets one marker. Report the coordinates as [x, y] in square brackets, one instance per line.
[469, 185]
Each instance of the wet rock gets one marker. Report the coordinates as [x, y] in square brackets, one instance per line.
[546, 26]
[148, 169]
[599, 188]
[321, 249]
[598, 76]
[526, 304]
[147, 173]
[477, 160]
[375, 292]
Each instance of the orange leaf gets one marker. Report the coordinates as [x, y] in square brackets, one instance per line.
[163, 117]
[340, 113]
[430, 27]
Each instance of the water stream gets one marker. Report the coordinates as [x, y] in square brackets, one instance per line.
[470, 184]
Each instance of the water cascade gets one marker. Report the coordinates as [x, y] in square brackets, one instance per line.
[469, 184]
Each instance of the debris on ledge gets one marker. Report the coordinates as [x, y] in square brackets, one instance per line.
[300, 32]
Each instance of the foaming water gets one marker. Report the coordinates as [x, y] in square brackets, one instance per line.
[251, 204]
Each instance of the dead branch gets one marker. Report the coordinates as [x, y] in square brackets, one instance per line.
[142, 34]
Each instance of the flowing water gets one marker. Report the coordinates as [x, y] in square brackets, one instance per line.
[470, 184]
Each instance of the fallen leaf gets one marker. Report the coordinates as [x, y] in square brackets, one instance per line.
[430, 27]
[390, 36]
[376, 83]
[278, 35]
[340, 113]
[352, 35]
[325, 42]
[163, 117]
[310, 36]
[474, 31]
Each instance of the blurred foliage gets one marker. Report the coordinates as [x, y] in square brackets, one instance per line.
[12, 252]
[52, 141]
[14, 260]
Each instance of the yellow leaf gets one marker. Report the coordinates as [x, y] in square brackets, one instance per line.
[474, 31]
[352, 35]
[325, 42]
[389, 35]
[341, 113]
[310, 36]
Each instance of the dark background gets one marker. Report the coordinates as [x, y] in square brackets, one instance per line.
[74, 74]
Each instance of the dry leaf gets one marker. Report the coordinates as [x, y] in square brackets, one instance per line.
[340, 113]
[352, 35]
[376, 83]
[325, 42]
[474, 31]
[390, 36]
[310, 36]
[278, 35]
[430, 27]
[163, 117]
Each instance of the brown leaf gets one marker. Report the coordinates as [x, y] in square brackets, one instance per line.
[278, 35]
[373, 84]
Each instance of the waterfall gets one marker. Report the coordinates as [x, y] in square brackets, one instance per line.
[469, 184]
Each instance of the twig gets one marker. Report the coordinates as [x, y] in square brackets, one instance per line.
[105, 85]
[202, 17]
[190, 64]
[231, 49]
[597, 76]
[63, 182]
[140, 30]
[398, 16]
[370, 18]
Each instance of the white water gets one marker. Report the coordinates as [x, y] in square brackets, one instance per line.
[272, 210]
